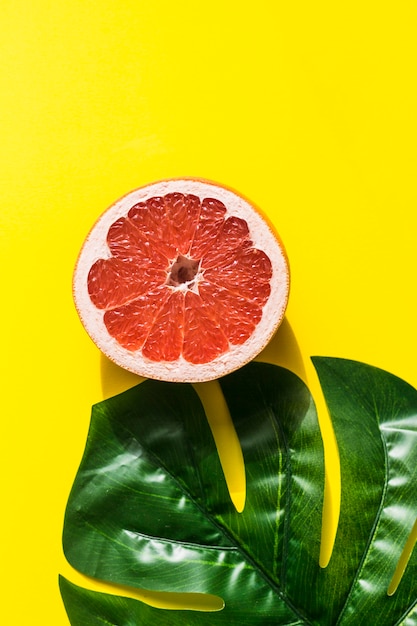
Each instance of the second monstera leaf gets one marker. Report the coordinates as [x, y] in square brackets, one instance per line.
[149, 507]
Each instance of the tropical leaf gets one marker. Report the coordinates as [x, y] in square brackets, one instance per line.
[149, 507]
[374, 415]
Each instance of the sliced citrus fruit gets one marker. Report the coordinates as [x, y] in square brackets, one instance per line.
[181, 280]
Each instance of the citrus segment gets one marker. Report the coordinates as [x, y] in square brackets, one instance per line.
[150, 218]
[127, 243]
[131, 324]
[165, 338]
[168, 222]
[204, 339]
[234, 235]
[114, 282]
[237, 316]
[211, 219]
[247, 274]
[181, 280]
[183, 214]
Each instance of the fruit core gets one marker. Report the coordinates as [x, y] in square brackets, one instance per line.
[183, 272]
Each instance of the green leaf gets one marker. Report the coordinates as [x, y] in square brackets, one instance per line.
[374, 415]
[149, 507]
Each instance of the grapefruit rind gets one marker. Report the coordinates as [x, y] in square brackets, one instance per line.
[263, 237]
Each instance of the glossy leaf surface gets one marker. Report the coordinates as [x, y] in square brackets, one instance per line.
[374, 415]
[149, 507]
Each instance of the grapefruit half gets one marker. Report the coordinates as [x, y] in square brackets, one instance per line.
[181, 280]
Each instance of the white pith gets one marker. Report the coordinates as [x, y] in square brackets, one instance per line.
[262, 236]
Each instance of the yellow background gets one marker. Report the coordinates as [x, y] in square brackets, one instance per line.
[308, 108]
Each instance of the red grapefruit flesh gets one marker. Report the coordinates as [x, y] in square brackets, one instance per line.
[182, 280]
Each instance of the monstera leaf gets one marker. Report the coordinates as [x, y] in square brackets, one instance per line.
[150, 509]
